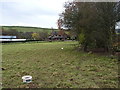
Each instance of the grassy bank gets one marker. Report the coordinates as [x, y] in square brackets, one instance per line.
[53, 67]
[28, 29]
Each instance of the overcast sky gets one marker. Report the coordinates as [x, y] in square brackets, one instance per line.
[38, 13]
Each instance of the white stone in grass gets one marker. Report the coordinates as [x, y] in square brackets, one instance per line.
[61, 48]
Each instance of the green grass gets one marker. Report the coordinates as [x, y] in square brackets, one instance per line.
[28, 29]
[52, 67]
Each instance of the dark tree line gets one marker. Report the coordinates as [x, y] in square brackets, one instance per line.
[93, 22]
[26, 35]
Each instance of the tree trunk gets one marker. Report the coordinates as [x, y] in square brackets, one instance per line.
[85, 47]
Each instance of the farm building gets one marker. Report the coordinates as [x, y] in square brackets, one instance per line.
[117, 30]
[117, 27]
[7, 37]
[10, 39]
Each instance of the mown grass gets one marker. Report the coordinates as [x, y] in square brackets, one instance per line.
[52, 67]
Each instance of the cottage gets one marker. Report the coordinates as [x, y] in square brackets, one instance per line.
[60, 35]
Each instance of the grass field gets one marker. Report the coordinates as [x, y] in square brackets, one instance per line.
[28, 29]
[53, 67]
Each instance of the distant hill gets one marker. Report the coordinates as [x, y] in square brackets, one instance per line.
[27, 29]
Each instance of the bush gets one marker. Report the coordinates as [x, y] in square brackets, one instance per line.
[81, 38]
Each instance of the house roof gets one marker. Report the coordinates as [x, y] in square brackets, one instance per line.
[7, 37]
